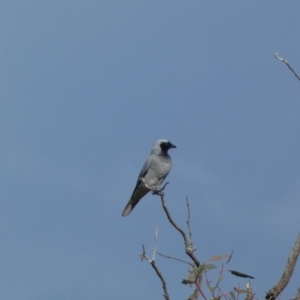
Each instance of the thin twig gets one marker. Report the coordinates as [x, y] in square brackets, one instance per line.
[286, 62]
[155, 239]
[188, 221]
[223, 294]
[186, 242]
[287, 274]
[198, 285]
[250, 294]
[152, 263]
[219, 278]
[175, 258]
[297, 297]
[209, 286]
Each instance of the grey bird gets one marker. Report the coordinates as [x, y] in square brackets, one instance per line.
[155, 170]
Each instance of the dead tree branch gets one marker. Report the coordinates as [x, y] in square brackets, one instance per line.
[175, 258]
[152, 263]
[188, 221]
[287, 274]
[288, 65]
[189, 249]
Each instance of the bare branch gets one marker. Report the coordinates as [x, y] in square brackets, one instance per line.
[286, 62]
[175, 258]
[188, 221]
[287, 274]
[152, 263]
[189, 249]
[155, 239]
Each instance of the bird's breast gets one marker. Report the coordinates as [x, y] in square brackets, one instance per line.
[158, 171]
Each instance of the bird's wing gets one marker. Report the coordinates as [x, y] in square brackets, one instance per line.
[140, 190]
[144, 171]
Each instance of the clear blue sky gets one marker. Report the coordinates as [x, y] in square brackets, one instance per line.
[87, 87]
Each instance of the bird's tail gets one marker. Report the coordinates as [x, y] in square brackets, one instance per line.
[137, 195]
[128, 208]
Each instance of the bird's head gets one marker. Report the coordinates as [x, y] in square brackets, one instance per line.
[162, 146]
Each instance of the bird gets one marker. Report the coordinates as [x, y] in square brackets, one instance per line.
[156, 168]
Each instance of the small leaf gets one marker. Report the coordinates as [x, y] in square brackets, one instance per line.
[186, 281]
[191, 276]
[240, 291]
[230, 256]
[211, 288]
[220, 278]
[218, 257]
[232, 295]
[239, 274]
[198, 270]
[209, 266]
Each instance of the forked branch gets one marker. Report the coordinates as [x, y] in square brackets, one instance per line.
[152, 263]
[189, 249]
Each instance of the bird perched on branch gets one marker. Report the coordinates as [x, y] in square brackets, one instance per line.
[155, 170]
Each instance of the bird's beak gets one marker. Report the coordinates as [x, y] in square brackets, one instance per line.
[171, 145]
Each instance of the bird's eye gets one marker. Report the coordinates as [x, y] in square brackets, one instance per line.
[164, 146]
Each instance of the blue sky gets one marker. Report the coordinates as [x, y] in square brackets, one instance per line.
[87, 87]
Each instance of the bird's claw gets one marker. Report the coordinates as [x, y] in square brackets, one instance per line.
[159, 191]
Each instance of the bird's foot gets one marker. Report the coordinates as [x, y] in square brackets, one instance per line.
[159, 191]
[155, 191]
